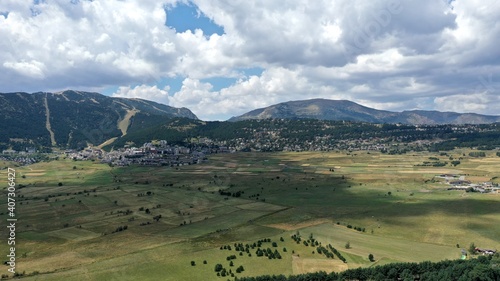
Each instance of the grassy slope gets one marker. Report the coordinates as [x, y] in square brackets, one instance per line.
[420, 220]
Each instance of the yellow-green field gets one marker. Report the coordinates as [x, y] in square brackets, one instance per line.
[69, 212]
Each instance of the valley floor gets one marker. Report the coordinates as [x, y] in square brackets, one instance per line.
[79, 220]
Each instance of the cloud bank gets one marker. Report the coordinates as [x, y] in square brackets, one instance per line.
[388, 54]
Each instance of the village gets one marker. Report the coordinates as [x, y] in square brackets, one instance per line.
[458, 182]
[155, 153]
[27, 156]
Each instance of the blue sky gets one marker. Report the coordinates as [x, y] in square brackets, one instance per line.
[222, 59]
[183, 17]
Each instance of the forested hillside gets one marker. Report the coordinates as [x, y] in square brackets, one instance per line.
[74, 119]
[311, 134]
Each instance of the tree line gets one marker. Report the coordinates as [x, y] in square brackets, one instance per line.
[483, 268]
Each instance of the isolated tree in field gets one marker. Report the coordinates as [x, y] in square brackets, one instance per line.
[348, 245]
[193, 263]
[240, 269]
[371, 258]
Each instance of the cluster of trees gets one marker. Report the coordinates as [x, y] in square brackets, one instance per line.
[296, 237]
[245, 249]
[358, 228]
[125, 213]
[434, 164]
[337, 253]
[149, 193]
[482, 268]
[120, 228]
[270, 254]
[229, 193]
[323, 250]
[223, 272]
[319, 248]
[477, 154]
[309, 242]
[260, 251]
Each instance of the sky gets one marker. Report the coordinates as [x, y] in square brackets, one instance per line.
[224, 58]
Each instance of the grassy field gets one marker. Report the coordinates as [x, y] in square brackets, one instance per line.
[69, 213]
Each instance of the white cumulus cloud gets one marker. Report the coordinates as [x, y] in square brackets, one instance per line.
[394, 54]
[152, 93]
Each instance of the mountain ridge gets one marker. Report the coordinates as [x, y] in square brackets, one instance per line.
[75, 118]
[326, 109]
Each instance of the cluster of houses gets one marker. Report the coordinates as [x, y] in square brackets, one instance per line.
[156, 153]
[21, 160]
[26, 151]
[458, 182]
[24, 157]
[272, 141]
[485, 251]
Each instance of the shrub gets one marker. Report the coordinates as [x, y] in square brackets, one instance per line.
[371, 258]
[218, 267]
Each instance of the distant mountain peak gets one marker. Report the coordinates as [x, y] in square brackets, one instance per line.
[325, 109]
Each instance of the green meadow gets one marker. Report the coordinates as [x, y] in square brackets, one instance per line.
[81, 220]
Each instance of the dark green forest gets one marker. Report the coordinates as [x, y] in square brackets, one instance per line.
[483, 268]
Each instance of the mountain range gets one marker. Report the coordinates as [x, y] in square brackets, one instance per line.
[324, 109]
[75, 119]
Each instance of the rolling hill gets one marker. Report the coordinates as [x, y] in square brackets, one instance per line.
[324, 109]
